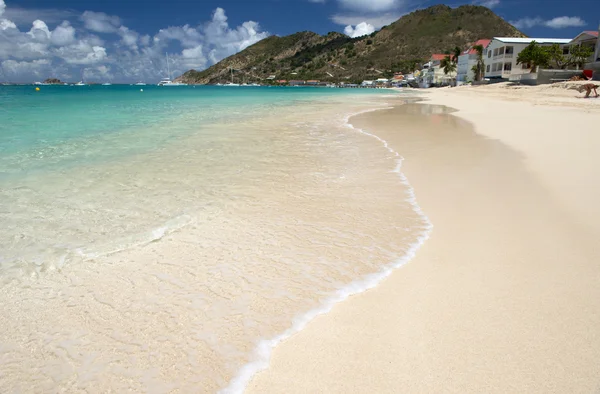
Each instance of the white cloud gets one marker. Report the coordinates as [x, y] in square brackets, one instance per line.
[370, 5]
[64, 34]
[560, 22]
[2, 7]
[565, 21]
[39, 31]
[129, 37]
[6, 24]
[362, 29]
[72, 49]
[36, 68]
[487, 3]
[82, 52]
[377, 21]
[100, 22]
[24, 17]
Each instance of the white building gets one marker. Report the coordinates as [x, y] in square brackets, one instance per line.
[590, 40]
[502, 52]
[433, 73]
[466, 62]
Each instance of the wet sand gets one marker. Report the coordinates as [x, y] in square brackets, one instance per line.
[505, 295]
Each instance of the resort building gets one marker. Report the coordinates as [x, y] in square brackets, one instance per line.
[468, 60]
[502, 52]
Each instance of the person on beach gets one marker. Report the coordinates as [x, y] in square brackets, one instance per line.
[588, 87]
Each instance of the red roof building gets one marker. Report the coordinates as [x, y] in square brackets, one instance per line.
[484, 43]
[437, 57]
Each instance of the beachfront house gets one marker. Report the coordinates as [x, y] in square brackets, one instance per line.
[466, 62]
[590, 39]
[502, 52]
[586, 39]
[367, 84]
[433, 73]
[382, 82]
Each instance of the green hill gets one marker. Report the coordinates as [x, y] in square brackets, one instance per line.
[336, 57]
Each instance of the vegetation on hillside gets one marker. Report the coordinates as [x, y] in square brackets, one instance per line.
[400, 47]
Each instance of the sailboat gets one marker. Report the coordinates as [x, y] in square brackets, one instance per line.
[167, 81]
[231, 83]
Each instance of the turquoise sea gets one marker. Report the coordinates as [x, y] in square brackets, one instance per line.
[154, 240]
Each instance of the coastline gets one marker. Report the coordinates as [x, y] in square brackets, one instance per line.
[503, 295]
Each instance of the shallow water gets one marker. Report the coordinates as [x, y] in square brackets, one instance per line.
[154, 249]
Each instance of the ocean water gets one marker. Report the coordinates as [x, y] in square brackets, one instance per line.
[165, 240]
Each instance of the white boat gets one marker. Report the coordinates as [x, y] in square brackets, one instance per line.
[140, 84]
[106, 84]
[254, 84]
[80, 83]
[231, 84]
[167, 81]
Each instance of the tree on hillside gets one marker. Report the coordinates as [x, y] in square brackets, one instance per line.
[448, 65]
[557, 58]
[579, 55]
[479, 67]
[534, 55]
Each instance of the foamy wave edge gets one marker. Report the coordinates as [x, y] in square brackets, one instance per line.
[263, 350]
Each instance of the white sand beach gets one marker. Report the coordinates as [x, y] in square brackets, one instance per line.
[505, 295]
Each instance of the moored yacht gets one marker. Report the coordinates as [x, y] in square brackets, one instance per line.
[167, 81]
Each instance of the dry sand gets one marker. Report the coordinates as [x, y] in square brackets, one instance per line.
[505, 295]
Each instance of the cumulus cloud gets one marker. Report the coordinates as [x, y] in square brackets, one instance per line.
[100, 22]
[560, 22]
[64, 34]
[82, 52]
[100, 47]
[377, 21]
[362, 29]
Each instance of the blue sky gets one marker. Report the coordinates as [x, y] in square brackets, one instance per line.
[125, 40]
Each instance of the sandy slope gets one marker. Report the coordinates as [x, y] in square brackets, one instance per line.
[505, 296]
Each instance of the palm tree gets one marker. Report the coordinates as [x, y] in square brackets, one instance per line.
[448, 65]
[479, 67]
[456, 52]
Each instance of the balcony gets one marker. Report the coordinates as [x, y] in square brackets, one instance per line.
[508, 55]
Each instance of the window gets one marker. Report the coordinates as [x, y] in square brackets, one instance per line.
[501, 51]
[510, 50]
[496, 52]
[565, 50]
[525, 66]
[507, 66]
[487, 69]
[489, 53]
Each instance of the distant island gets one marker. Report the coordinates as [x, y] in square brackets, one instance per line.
[53, 81]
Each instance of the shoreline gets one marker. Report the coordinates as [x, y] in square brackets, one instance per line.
[310, 360]
[262, 354]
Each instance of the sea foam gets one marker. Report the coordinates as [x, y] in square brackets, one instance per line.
[264, 348]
